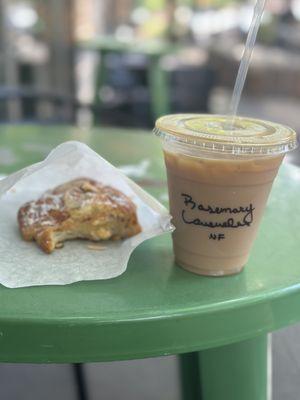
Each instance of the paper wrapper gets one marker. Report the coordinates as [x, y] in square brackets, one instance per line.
[25, 264]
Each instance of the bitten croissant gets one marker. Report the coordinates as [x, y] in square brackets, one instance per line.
[82, 208]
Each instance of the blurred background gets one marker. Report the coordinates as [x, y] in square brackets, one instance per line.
[125, 63]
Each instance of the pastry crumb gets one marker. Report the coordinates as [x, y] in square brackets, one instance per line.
[98, 247]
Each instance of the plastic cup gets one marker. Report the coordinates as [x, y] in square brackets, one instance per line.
[219, 178]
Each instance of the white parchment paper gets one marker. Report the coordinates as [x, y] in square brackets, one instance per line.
[25, 264]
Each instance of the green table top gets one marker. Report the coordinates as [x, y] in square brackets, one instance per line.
[155, 307]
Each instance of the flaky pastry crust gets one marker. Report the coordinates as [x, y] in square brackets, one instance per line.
[82, 208]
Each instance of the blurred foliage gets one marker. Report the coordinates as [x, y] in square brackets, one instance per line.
[153, 5]
[156, 5]
[268, 31]
[222, 3]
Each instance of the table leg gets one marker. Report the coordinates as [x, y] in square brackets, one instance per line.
[235, 372]
[159, 88]
[189, 371]
[80, 382]
[101, 75]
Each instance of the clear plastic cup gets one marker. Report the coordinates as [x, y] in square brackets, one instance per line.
[219, 177]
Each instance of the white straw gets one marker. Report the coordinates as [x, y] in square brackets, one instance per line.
[246, 58]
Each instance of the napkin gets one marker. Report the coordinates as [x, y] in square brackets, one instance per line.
[25, 264]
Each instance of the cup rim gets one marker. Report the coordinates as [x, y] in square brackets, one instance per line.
[210, 133]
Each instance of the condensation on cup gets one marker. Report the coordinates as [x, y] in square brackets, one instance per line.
[220, 172]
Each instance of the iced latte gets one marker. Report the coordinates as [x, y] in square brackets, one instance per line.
[220, 174]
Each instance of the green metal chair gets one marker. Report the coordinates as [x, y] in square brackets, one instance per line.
[157, 77]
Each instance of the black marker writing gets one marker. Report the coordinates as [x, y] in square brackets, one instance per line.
[215, 236]
[242, 216]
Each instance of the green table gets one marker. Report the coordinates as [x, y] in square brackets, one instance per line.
[156, 75]
[218, 325]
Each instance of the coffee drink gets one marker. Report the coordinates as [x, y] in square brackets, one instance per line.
[220, 174]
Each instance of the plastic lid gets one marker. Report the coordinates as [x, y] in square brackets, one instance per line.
[220, 134]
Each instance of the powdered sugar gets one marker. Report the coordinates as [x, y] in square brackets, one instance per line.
[38, 211]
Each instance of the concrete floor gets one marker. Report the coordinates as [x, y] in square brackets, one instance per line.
[286, 365]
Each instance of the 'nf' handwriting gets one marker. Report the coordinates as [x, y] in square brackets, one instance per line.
[215, 236]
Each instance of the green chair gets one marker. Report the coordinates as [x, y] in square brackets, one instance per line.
[158, 81]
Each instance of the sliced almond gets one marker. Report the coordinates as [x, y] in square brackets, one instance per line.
[97, 247]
